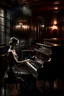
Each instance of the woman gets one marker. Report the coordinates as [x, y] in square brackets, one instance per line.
[13, 60]
[13, 43]
[12, 57]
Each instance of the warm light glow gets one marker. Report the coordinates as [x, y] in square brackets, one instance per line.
[54, 27]
[35, 28]
[18, 26]
[42, 25]
[56, 8]
[54, 38]
[55, 44]
[25, 26]
[20, 23]
[55, 85]
[56, 2]
[54, 22]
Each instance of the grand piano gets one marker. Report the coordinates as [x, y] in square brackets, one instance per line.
[45, 61]
[42, 55]
[35, 70]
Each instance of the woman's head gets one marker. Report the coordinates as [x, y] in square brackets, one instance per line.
[13, 41]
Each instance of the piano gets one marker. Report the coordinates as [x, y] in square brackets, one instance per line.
[42, 55]
[35, 70]
[45, 61]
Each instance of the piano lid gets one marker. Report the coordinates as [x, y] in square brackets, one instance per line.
[53, 42]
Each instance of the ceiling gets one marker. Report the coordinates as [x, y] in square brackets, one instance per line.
[39, 6]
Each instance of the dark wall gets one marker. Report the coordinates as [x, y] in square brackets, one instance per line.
[43, 16]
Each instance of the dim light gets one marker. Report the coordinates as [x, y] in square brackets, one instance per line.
[55, 22]
[18, 26]
[42, 25]
[56, 2]
[25, 26]
[20, 23]
[54, 27]
[56, 8]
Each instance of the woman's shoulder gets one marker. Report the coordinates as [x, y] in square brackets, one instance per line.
[13, 52]
[9, 52]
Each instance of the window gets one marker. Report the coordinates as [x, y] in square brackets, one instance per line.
[4, 26]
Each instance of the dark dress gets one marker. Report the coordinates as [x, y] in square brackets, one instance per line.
[10, 70]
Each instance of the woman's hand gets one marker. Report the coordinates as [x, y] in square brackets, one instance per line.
[24, 61]
[28, 60]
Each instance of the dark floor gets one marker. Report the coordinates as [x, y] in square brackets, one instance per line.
[13, 90]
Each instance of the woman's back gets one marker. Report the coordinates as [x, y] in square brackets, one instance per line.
[11, 62]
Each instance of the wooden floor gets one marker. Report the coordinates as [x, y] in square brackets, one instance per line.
[12, 90]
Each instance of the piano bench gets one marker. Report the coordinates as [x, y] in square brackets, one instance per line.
[18, 80]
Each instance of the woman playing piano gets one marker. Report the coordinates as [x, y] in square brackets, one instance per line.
[29, 81]
[13, 57]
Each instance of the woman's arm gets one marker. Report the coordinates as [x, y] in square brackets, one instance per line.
[23, 61]
[20, 62]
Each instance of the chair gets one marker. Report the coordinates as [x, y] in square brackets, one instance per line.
[18, 80]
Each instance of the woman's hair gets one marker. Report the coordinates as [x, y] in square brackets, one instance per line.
[13, 41]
